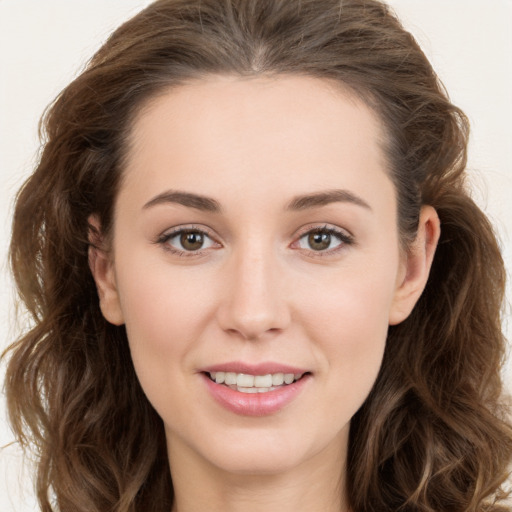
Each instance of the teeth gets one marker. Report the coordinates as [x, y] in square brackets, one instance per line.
[289, 378]
[255, 390]
[247, 390]
[254, 383]
[230, 378]
[277, 379]
[244, 381]
[263, 381]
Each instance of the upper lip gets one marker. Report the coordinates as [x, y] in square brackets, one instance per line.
[253, 369]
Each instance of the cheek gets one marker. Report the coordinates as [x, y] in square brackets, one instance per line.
[352, 304]
[165, 312]
[349, 323]
[354, 336]
[160, 300]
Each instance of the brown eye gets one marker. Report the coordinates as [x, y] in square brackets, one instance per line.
[192, 240]
[319, 240]
[324, 240]
[187, 241]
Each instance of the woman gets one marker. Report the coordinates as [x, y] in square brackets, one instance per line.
[256, 278]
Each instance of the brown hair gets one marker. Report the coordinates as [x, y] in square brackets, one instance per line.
[433, 433]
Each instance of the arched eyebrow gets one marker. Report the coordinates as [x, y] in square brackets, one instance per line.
[196, 201]
[298, 203]
[324, 198]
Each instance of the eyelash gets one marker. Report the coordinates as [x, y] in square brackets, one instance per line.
[344, 239]
[166, 237]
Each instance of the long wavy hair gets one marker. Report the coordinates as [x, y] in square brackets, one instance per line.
[432, 435]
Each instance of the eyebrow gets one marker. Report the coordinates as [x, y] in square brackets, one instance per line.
[196, 201]
[298, 203]
[324, 198]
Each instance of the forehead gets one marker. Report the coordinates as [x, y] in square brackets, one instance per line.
[234, 134]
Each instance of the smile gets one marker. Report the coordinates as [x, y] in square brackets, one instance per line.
[246, 383]
[255, 394]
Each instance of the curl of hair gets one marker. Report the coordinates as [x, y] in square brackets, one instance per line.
[433, 433]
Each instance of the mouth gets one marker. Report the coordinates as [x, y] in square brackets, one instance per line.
[247, 383]
[255, 389]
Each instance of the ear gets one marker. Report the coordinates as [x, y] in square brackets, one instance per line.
[102, 269]
[416, 266]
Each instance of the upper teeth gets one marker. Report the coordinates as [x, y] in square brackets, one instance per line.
[245, 380]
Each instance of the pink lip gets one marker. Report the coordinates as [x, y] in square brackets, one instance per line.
[253, 369]
[255, 404]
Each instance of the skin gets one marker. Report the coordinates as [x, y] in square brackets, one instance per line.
[258, 290]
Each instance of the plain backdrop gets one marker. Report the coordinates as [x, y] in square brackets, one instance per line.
[44, 44]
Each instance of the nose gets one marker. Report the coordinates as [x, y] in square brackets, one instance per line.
[254, 302]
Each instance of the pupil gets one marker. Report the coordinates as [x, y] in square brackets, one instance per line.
[191, 240]
[319, 241]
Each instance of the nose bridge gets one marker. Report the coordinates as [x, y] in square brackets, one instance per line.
[254, 302]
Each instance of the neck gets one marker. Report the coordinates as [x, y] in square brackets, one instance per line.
[318, 484]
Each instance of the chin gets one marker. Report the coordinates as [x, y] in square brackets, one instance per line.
[264, 452]
[258, 461]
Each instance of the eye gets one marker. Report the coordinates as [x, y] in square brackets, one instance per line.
[187, 240]
[325, 239]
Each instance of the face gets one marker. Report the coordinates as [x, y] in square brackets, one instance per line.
[255, 244]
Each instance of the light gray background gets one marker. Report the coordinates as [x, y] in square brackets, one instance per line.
[44, 43]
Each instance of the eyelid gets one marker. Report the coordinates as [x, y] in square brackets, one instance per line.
[168, 234]
[344, 236]
[346, 239]
[324, 226]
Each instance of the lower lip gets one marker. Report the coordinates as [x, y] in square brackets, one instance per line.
[255, 404]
